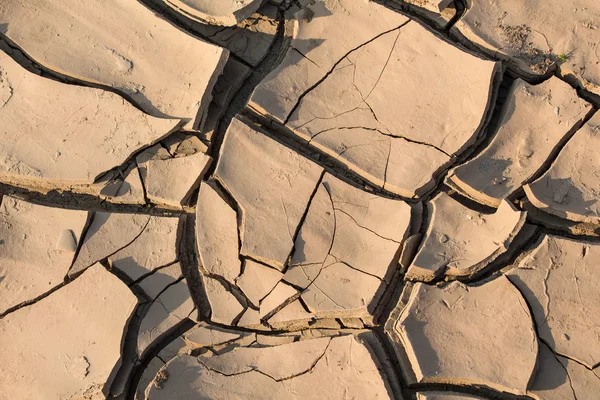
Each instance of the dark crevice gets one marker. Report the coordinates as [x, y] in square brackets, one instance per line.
[304, 55]
[551, 159]
[30, 302]
[179, 19]
[150, 273]
[275, 55]
[136, 374]
[302, 219]
[331, 164]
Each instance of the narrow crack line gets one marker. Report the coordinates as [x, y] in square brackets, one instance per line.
[334, 222]
[562, 366]
[387, 164]
[341, 153]
[354, 268]
[565, 355]
[384, 65]
[116, 251]
[326, 295]
[287, 219]
[394, 136]
[212, 35]
[252, 369]
[164, 290]
[152, 272]
[245, 257]
[364, 227]
[330, 245]
[328, 118]
[313, 365]
[310, 89]
[305, 56]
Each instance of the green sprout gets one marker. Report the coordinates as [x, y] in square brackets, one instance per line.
[563, 58]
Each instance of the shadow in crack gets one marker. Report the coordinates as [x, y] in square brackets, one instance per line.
[544, 378]
[249, 40]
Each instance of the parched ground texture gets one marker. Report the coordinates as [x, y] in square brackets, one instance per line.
[299, 199]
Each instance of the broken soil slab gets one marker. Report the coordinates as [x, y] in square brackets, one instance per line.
[114, 236]
[205, 335]
[67, 345]
[173, 306]
[37, 246]
[570, 188]
[159, 280]
[533, 123]
[129, 189]
[165, 71]
[461, 242]
[344, 255]
[318, 368]
[226, 308]
[559, 281]
[156, 246]
[272, 195]
[280, 295]
[216, 12]
[382, 111]
[292, 317]
[217, 234]
[492, 321]
[56, 134]
[147, 377]
[536, 37]
[171, 180]
[346, 248]
[320, 40]
[257, 281]
[250, 39]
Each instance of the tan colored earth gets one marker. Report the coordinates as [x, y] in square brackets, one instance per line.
[299, 199]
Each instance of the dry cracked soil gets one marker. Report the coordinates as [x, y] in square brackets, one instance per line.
[299, 199]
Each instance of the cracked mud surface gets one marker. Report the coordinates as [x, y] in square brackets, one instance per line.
[306, 199]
